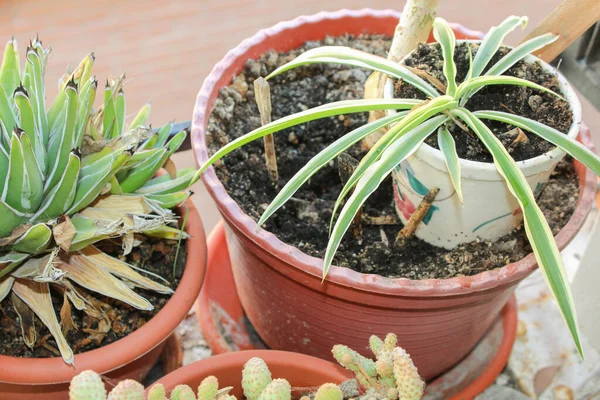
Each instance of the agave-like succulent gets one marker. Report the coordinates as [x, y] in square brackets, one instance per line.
[70, 177]
[417, 120]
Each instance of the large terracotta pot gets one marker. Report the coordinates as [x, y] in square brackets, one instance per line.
[300, 370]
[438, 321]
[128, 358]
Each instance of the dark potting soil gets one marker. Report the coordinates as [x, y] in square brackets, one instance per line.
[304, 221]
[120, 319]
[530, 103]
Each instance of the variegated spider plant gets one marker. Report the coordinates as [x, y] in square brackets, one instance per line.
[417, 120]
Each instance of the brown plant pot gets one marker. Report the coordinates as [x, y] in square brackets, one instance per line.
[438, 321]
[127, 358]
[301, 371]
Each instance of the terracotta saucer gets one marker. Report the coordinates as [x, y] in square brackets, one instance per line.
[226, 329]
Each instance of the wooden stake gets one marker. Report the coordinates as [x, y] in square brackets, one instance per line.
[417, 217]
[262, 92]
[569, 20]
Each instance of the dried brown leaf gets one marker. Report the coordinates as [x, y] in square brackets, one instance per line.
[543, 378]
[37, 296]
[66, 317]
[26, 321]
[171, 168]
[5, 286]
[16, 234]
[64, 233]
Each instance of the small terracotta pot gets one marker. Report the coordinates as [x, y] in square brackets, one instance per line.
[127, 358]
[438, 321]
[301, 371]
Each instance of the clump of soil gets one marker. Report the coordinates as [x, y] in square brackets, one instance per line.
[304, 221]
[153, 255]
[530, 103]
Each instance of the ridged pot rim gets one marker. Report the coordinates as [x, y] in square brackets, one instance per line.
[231, 211]
[487, 170]
[50, 371]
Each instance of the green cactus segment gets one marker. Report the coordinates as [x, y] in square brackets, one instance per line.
[329, 391]
[255, 378]
[208, 388]
[363, 368]
[183, 392]
[408, 382]
[157, 392]
[375, 344]
[127, 390]
[278, 389]
[87, 386]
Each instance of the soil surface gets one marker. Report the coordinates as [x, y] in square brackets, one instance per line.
[530, 103]
[153, 255]
[304, 221]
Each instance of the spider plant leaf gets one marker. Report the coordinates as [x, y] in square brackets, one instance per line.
[377, 171]
[164, 184]
[323, 158]
[94, 177]
[61, 143]
[144, 171]
[6, 286]
[35, 240]
[86, 273]
[416, 116]
[170, 200]
[444, 35]
[327, 110]
[559, 139]
[37, 297]
[141, 118]
[357, 58]
[10, 75]
[448, 149]
[120, 112]
[61, 197]
[516, 54]
[10, 261]
[468, 88]
[122, 270]
[538, 232]
[492, 42]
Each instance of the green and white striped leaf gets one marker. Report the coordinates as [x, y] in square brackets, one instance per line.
[448, 149]
[398, 151]
[357, 58]
[10, 261]
[417, 116]
[34, 82]
[559, 139]
[10, 75]
[11, 219]
[141, 118]
[444, 35]
[109, 121]
[164, 184]
[29, 125]
[120, 112]
[492, 42]
[4, 162]
[327, 110]
[170, 200]
[144, 171]
[538, 232]
[8, 115]
[35, 240]
[468, 88]
[22, 190]
[323, 158]
[86, 100]
[163, 135]
[517, 54]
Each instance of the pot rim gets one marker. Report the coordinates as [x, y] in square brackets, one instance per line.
[49, 371]
[273, 358]
[487, 170]
[313, 266]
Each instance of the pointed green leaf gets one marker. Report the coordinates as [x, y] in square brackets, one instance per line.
[29, 125]
[444, 35]
[169, 200]
[448, 149]
[10, 77]
[35, 240]
[22, 190]
[357, 58]
[141, 118]
[538, 232]
[163, 135]
[143, 172]
[120, 112]
[34, 82]
[468, 88]
[516, 54]
[164, 184]
[399, 150]
[11, 219]
[109, 124]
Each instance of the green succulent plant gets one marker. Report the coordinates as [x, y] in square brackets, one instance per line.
[417, 120]
[71, 176]
[392, 376]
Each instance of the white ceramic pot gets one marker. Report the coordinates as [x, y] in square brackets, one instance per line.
[489, 210]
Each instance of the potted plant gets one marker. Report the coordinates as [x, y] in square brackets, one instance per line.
[86, 226]
[276, 375]
[296, 301]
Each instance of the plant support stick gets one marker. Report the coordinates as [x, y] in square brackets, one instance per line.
[262, 92]
[414, 27]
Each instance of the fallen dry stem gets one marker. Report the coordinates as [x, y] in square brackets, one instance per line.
[262, 92]
[417, 216]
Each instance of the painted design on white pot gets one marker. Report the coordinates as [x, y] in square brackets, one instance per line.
[403, 204]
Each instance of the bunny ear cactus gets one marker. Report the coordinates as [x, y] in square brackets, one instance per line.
[71, 176]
